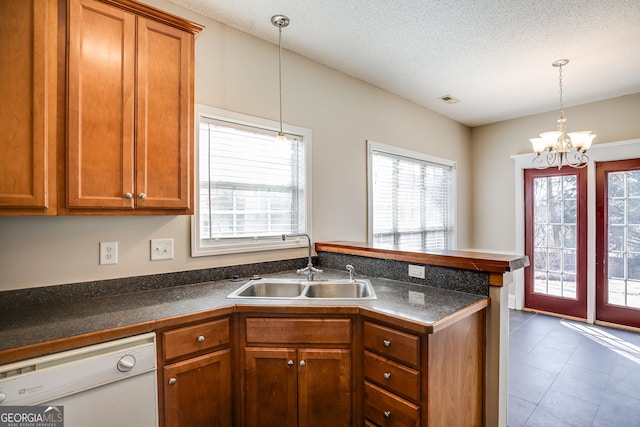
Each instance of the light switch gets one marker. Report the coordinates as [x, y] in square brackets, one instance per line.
[161, 249]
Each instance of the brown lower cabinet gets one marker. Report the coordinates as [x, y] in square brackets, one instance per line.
[195, 382]
[263, 369]
[288, 387]
[198, 391]
[297, 372]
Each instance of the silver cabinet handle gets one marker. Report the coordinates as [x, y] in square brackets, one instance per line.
[386, 343]
[172, 381]
[128, 196]
[387, 375]
[201, 338]
[142, 196]
[290, 363]
[387, 414]
[302, 363]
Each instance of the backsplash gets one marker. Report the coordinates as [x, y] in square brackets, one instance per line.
[24, 298]
[468, 281]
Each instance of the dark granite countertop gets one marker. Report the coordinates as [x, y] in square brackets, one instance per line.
[44, 323]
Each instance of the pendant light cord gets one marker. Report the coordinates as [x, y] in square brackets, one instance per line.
[280, 72]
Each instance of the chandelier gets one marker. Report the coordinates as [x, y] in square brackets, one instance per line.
[280, 21]
[557, 147]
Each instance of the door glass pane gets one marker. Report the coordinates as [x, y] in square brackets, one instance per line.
[555, 235]
[623, 233]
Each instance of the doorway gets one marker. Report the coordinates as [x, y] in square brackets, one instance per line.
[618, 242]
[556, 241]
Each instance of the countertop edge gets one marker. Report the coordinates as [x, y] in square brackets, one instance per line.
[74, 341]
[476, 261]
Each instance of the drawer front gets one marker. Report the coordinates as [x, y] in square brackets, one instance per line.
[190, 339]
[303, 331]
[392, 376]
[392, 343]
[387, 409]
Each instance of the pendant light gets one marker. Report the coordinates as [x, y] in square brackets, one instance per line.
[280, 21]
[559, 147]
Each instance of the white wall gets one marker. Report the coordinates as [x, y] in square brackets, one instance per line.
[238, 72]
[492, 188]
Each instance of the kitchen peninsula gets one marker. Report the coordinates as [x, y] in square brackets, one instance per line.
[456, 294]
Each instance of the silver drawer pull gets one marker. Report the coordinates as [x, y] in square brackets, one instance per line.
[302, 363]
[172, 381]
[290, 363]
[387, 375]
[201, 338]
[386, 343]
[387, 414]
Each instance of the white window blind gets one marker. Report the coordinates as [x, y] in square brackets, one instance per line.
[411, 198]
[251, 187]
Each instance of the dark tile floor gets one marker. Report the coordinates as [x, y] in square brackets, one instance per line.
[568, 373]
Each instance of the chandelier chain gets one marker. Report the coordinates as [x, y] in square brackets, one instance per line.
[561, 96]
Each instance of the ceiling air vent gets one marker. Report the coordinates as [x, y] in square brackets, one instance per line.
[449, 99]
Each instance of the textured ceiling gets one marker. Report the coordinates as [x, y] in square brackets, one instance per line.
[493, 55]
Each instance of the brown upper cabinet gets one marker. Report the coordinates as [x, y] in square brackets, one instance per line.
[28, 42]
[130, 110]
[118, 138]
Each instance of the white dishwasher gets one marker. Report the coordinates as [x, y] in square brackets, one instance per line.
[103, 385]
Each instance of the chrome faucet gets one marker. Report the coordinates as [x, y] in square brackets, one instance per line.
[309, 270]
[352, 272]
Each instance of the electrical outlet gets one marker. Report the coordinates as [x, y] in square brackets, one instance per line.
[416, 271]
[161, 249]
[108, 253]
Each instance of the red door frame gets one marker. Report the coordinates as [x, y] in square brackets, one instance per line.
[549, 303]
[604, 311]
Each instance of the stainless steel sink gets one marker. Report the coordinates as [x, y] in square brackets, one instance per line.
[305, 289]
[358, 289]
[272, 290]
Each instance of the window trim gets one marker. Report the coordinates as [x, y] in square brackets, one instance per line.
[213, 113]
[373, 146]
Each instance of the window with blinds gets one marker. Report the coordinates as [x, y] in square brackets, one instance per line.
[251, 187]
[411, 198]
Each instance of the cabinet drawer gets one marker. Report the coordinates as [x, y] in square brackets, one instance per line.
[190, 339]
[392, 376]
[304, 331]
[387, 409]
[391, 343]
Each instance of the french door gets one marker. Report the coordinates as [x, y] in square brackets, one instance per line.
[618, 242]
[556, 240]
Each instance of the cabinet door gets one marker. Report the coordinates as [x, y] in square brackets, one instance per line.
[28, 31]
[164, 145]
[101, 75]
[324, 387]
[270, 387]
[197, 392]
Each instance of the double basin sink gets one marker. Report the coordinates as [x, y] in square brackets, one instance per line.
[359, 289]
